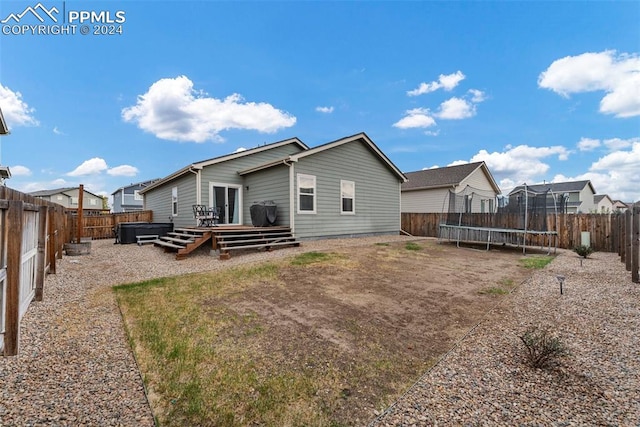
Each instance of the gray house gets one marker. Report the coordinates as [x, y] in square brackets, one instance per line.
[128, 198]
[346, 187]
[578, 195]
[429, 190]
[69, 197]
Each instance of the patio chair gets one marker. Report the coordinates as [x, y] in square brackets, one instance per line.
[206, 216]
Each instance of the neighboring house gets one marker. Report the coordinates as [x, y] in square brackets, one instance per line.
[603, 203]
[68, 197]
[620, 206]
[427, 191]
[128, 198]
[578, 195]
[346, 187]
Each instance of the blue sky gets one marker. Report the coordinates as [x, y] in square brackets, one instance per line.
[541, 91]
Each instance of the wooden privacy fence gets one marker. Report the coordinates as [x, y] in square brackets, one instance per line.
[603, 229]
[627, 236]
[31, 240]
[103, 226]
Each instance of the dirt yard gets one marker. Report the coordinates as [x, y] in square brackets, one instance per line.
[372, 318]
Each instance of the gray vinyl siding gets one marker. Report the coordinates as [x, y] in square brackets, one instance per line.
[227, 172]
[159, 201]
[377, 194]
[425, 201]
[268, 185]
[117, 202]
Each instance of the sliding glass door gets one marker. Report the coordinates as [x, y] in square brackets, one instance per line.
[227, 199]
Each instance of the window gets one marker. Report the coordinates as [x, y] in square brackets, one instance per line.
[347, 194]
[74, 200]
[306, 194]
[137, 195]
[467, 204]
[174, 201]
[58, 197]
[93, 202]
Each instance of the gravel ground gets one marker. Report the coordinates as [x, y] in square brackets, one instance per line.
[75, 366]
[484, 381]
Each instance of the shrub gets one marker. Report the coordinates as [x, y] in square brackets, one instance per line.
[583, 250]
[543, 348]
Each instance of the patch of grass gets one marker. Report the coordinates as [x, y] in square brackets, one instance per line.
[382, 244]
[200, 358]
[536, 262]
[311, 257]
[494, 290]
[508, 283]
[412, 246]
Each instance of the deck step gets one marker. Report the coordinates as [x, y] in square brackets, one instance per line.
[178, 240]
[175, 234]
[167, 244]
[247, 235]
[261, 245]
[264, 240]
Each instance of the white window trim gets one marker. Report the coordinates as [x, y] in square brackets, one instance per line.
[174, 201]
[315, 193]
[353, 198]
[137, 196]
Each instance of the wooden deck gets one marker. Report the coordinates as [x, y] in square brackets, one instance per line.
[226, 239]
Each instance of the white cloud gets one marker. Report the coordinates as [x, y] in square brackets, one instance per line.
[90, 167]
[616, 75]
[123, 170]
[477, 96]
[588, 144]
[456, 109]
[519, 164]
[15, 111]
[326, 110]
[172, 110]
[614, 144]
[446, 82]
[416, 118]
[57, 131]
[19, 170]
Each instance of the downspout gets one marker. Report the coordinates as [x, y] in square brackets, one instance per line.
[198, 185]
[292, 222]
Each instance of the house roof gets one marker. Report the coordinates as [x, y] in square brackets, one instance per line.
[598, 198]
[4, 129]
[46, 193]
[556, 187]
[199, 165]
[329, 145]
[449, 176]
[135, 184]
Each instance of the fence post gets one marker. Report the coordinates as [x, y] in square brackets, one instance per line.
[40, 259]
[51, 228]
[628, 236]
[635, 246]
[14, 263]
